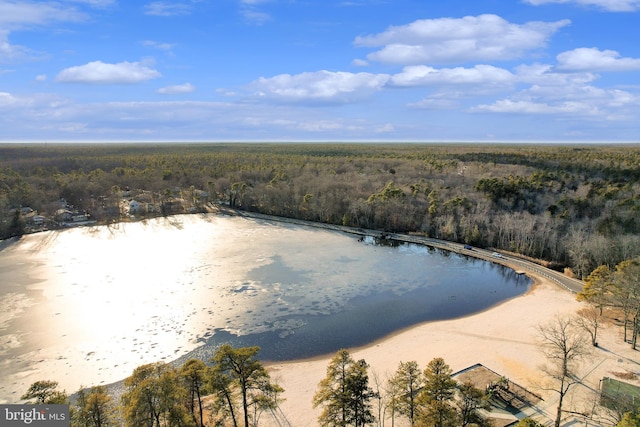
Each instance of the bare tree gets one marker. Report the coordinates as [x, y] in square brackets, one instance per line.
[564, 345]
[589, 319]
[378, 388]
[577, 246]
[627, 294]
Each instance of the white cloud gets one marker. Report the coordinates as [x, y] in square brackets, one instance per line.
[9, 52]
[386, 128]
[360, 62]
[254, 16]
[319, 86]
[450, 40]
[157, 45]
[20, 15]
[41, 77]
[437, 102]
[34, 104]
[177, 89]
[320, 125]
[6, 99]
[578, 100]
[595, 60]
[249, 10]
[531, 107]
[543, 74]
[609, 5]
[98, 72]
[569, 94]
[422, 75]
[95, 3]
[309, 125]
[167, 8]
[48, 117]
[167, 48]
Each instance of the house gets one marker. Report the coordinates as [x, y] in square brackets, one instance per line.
[509, 401]
[64, 215]
[201, 195]
[134, 207]
[36, 220]
[78, 217]
[26, 210]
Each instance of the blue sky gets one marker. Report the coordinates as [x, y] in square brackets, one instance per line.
[320, 70]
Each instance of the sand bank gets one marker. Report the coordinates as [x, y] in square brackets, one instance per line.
[502, 338]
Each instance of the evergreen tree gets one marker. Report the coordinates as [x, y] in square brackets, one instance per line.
[155, 397]
[45, 392]
[345, 393]
[94, 408]
[437, 396]
[359, 394]
[17, 226]
[332, 391]
[404, 387]
[239, 369]
[193, 373]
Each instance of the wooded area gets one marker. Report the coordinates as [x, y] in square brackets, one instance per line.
[236, 390]
[574, 206]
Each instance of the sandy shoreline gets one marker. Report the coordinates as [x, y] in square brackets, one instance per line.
[71, 317]
[502, 338]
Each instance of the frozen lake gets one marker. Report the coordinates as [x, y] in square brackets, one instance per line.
[85, 306]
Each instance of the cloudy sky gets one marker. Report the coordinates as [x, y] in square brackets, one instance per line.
[320, 70]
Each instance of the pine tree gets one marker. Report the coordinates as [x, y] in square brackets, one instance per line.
[345, 393]
[405, 386]
[437, 396]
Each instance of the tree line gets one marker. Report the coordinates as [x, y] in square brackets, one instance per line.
[235, 389]
[429, 398]
[572, 206]
[616, 289]
[238, 389]
[236, 385]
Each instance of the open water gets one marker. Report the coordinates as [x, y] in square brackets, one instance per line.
[86, 306]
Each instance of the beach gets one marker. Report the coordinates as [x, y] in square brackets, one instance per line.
[43, 274]
[503, 338]
[85, 306]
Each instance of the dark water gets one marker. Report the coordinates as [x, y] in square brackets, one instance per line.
[88, 305]
[369, 317]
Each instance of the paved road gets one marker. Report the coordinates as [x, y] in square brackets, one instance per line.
[517, 264]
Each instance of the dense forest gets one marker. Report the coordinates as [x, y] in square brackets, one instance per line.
[575, 206]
